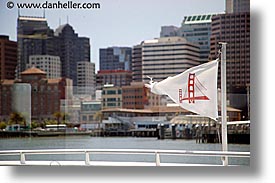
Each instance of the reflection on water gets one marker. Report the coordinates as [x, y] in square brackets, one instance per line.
[87, 142]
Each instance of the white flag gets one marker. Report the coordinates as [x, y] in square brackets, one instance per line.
[194, 90]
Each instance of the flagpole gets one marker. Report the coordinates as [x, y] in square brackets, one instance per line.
[223, 102]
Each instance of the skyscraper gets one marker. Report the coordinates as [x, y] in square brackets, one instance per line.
[115, 58]
[137, 63]
[115, 77]
[237, 6]
[34, 37]
[86, 78]
[167, 56]
[234, 29]
[169, 31]
[197, 29]
[8, 58]
[72, 49]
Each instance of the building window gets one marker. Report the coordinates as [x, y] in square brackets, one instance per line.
[111, 92]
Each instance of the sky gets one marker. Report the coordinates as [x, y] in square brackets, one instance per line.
[116, 23]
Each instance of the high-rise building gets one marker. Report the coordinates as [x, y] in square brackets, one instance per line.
[169, 31]
[115, 58]
[237, 6]
[34, 37]
[137, 63]
[8, 57]
[167, 56]
[197, 29]
[115, 77]
[86, 78]
[234, 29]
[47, 63]
[72, 49]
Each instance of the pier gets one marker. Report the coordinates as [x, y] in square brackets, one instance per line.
[238, 132]
[14, 134]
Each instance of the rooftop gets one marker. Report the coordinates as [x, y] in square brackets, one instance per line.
[159, 109]
[33, 70]
[173, 39]
[194, 19]
[7, 82]
[113, 71]
[32, 18]
[55, 80]
[60, 29]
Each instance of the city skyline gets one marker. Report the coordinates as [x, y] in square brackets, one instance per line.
[114, 24]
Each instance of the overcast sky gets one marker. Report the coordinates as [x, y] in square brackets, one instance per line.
[117, 22]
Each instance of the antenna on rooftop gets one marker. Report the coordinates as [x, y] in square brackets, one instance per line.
[44, 13]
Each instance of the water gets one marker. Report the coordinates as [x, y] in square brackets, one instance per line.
[87, 142]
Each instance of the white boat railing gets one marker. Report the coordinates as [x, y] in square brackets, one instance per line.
[87, 152]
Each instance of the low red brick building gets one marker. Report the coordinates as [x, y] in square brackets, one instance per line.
[137, 96]
[46, 94]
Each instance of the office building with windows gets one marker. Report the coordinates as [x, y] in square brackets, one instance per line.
[72, 49]
[234, 29]
[115, 58]
[34, 37]
[167, 56]
[237, 6]
[8, 58]
[197, 29]
[111, 97]
[137, 96]
[169, 31]
[86, 78]
[47, 63]
[137, 63]
[88, 111]
[115, 77]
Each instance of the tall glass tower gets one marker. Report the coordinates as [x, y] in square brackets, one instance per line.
[115, 58]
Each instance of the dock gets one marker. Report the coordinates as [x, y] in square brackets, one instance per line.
[14, 134]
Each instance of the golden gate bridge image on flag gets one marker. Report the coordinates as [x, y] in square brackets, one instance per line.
[195, 89]
[193, 85]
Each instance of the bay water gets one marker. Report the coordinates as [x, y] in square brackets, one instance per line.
[87, 142]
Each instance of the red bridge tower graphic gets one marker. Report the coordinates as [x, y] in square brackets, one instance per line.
[192, 83]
